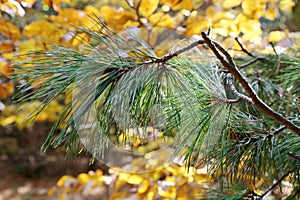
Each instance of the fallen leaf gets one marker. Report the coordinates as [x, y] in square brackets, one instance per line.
[230, 3]
[276, 36]
[9, 30]
[147, 7]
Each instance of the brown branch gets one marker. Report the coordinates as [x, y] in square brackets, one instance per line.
[167, 57]
[136, 8]
[273, 47]
[243, 49]
[234, 90]
[251, 62]
[274, 185]
[297, 157]
[257, 102]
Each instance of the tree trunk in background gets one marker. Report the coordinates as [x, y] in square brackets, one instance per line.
[294, 22]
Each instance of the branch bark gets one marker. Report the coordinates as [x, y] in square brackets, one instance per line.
[230, 65]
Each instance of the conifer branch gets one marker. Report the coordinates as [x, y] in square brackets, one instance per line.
[234, 90]
[167, 57]
[297, 157]
[251, 62]
[243, 48]
[274, 185]
[257, 102]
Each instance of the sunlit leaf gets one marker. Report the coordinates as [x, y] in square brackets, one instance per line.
[6, 89]
[197, 24]
[179, 4]
[64, 179]
[6, 46]
[9, 30]
[230, 4]
[5, 69]
[44, 29]
[162, 20]
[147, 7]
[13, 8]
[286, 5]
[276, 36]
[144, 186]
[30, 45]
[169, 192]
[116, 18]
[272, 12]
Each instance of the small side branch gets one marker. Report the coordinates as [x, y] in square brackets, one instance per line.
[167, 57]
[297, 157]
[234, 90]
[243, 49]
[274, 185]
[251, 62]
[257, 102]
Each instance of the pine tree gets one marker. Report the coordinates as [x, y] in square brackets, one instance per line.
[241, 115]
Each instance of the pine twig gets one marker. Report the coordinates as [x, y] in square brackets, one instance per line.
[243, 49]
[274, 185]
[234, 90]
[167, 57]
[257, 102]
[251, 62]
[297, 157]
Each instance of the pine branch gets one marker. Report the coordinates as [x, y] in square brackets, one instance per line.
[167, 57]
[274, 185]
[257, 102]
[297, 157]
[243, 48]
[234, 90]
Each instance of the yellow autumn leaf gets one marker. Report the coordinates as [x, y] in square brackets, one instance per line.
[6, 89]
[37, 28]
[44, 29]
[116, 19]
[6, 69]
[286, 5]
[231, 3]
[12, 7]
[91, 11]
[6, 46]
[179, 4]
[9, 30]
[84, 178]
[272, 12]
[197, 24]
[169, 193]
[253, 8]
[210, 12]
[71, 17]
[135, 179]
[147, 7]
[144, 186]
[162, 20]
[29, 45]
[248, 6]
[276, 36]
[8, 120]
[61, 182]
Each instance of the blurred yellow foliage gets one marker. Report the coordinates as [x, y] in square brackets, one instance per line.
[165, 182]
[147, 7]
[9, 29]
[20, 115]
